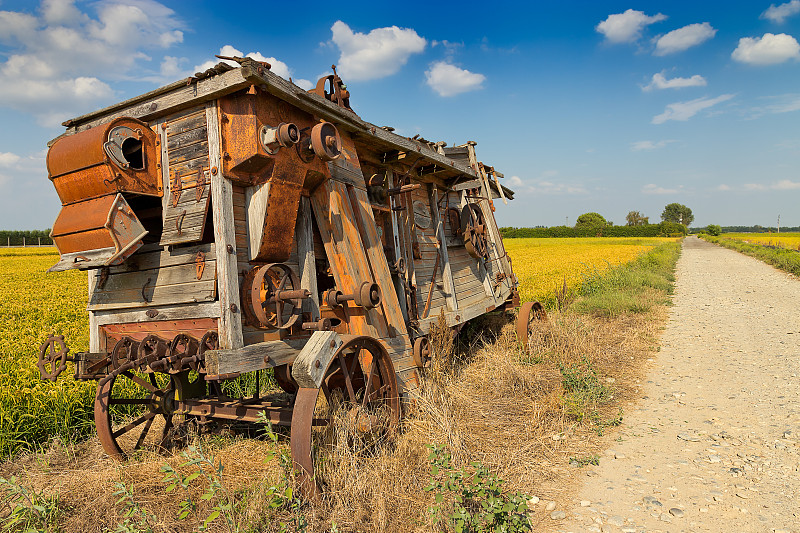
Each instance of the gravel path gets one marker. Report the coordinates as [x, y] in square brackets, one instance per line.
[714, 444]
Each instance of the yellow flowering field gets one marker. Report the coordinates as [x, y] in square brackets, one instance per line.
[34, 304]
[542, 265]
[782, 240]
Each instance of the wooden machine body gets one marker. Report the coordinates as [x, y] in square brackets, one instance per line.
[379, 213]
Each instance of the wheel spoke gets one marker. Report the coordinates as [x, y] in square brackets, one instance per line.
[139, 381]
[347, 380]
[144, 418]
[369, 382]
[143, 435]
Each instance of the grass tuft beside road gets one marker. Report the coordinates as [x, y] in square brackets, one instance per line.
[785, 259]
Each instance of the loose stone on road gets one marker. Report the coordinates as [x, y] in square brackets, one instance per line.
[714, 443]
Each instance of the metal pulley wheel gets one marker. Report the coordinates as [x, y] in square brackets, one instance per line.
[422, 352]
[473, 229]
[271, 296]
[529, 313]
[360, 388]
[125, 350]
[52, 357]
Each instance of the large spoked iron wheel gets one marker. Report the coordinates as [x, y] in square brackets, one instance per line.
[134, 410]
[360, 387]
[529, 314]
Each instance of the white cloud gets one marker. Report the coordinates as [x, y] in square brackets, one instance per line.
[652, 188]
[276, 65]
[450, 80]
[723, 187]
[62, 59]
[639, 146]
[626, 27]
[684, 38]
[770, 49]
[754, 187]
[781, 12]
[785, 103]
[8, 159]
[514, 181]
[377, 54]
[660, 81]
[685, 110]
[786, 185]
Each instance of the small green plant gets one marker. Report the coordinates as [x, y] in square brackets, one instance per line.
[136, 519]
[206, 467]
[601, 425]
[473, 501]
[583, 389]
[29, 510]
[584, 461]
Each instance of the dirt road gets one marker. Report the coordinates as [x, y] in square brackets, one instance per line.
[714, 443]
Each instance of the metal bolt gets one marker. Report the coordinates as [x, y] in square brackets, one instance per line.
[233, 308]
[230, 249]
[214, 171]
[317, 364]
[333, 343]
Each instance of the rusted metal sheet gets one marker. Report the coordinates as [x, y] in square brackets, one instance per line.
[98, 232]
[121, 156]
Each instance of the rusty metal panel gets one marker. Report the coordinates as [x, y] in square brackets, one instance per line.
[121, 156]
[98, 232]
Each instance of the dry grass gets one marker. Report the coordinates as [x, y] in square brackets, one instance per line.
[488, 401]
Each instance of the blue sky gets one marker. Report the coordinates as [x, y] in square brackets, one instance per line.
[584, 106]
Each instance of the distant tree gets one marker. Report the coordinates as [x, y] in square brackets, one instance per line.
[714, 230]
[677, 213]
[635, 218]
[591, 220]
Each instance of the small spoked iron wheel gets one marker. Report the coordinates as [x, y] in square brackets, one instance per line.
[360, 387]
[133, 410]
[529, 313]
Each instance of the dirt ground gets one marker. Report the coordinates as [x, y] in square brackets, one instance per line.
[714, 442]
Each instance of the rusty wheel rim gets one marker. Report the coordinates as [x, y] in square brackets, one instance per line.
[362, 375]
[262, 306]
[529, 314]
[133, 411]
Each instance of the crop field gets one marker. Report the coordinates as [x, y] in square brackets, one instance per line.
[781, 240]
[543, 265]
[35, 303]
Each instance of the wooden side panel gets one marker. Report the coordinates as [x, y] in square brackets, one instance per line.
[155, 278]
[188, 186]
[428, 250]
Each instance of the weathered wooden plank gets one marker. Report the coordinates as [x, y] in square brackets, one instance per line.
[165, 275]
[377, 261]
[94, 325]
[305, 256]
[163, 258]
[177, 125]
[230, 322]
[256, 199]
[253, 357]
[345, 252]
[310, 365]
[188, 152]
[197, 291]
[169, 312]
[185, 138]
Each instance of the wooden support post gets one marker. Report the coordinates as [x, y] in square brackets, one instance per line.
[230, 321]
[256, 198]
[94, 327]
[447, 274]
[309, 368]
[306, 258]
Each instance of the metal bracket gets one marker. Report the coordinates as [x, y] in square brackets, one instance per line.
[176, 186]
[200, 263]
[201, 184]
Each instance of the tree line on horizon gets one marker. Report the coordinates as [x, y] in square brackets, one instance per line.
[27, 237]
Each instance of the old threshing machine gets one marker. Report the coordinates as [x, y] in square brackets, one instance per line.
[234, 222]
